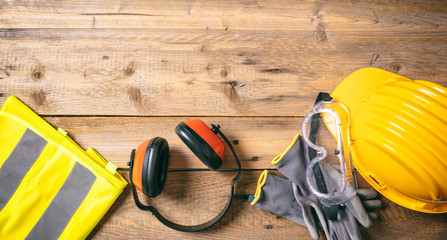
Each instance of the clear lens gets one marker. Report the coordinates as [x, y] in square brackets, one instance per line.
[334, 117]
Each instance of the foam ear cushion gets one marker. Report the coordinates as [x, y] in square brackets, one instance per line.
[150, 166]
[203, 142]
[138, 165]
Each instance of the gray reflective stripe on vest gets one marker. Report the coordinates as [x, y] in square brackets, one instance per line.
[18, 164]
[67, 200]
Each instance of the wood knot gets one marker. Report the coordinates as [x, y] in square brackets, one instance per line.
[373, 59]
[38, 97]
[230, 89]
[320, 33]
[274, 70]
[37, 75]
[235, 142]
[105, 57]
[4, 73]
[190, 82]
[134, 94]
[208, 68]
[230, 92]
[249, 61]
[268, 226]
[224, 73]
[129, 71]
[232, 84]
[396, 67]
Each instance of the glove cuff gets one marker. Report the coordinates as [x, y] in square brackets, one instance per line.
[261, 182]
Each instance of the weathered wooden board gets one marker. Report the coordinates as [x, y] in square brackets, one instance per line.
[260, 15]
[259, 139]
[115, 73]
[165, 73]
[164, 59]
[195, 197]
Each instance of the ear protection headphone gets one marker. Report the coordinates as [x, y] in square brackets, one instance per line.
[149, 165]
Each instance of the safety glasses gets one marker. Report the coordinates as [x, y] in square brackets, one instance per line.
[335, 117]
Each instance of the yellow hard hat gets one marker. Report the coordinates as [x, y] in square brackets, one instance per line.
[398, 136]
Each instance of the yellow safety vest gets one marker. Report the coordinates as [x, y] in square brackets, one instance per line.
[50, 188]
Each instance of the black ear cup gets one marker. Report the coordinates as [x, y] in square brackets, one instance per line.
[199, 146]
[155, 166]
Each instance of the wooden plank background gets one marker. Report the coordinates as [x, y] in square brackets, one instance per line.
[115, 73]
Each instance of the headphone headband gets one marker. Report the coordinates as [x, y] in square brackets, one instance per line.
[186, 228]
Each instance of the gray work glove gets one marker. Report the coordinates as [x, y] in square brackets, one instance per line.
[360, 209]
[292, 163]
[274, 194]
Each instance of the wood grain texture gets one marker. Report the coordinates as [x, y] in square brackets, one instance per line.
[194, 197]
[165, 73]
[115, 73]
[246, 14]
[233, 70]
[259, 139]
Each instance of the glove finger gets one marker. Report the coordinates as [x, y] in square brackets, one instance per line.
[310, 223]
[322, 218]
[308, 217]
[350, 224]
[372, 205]
[356, 208]
[373, 216]
[337, 231]
[367, 193]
